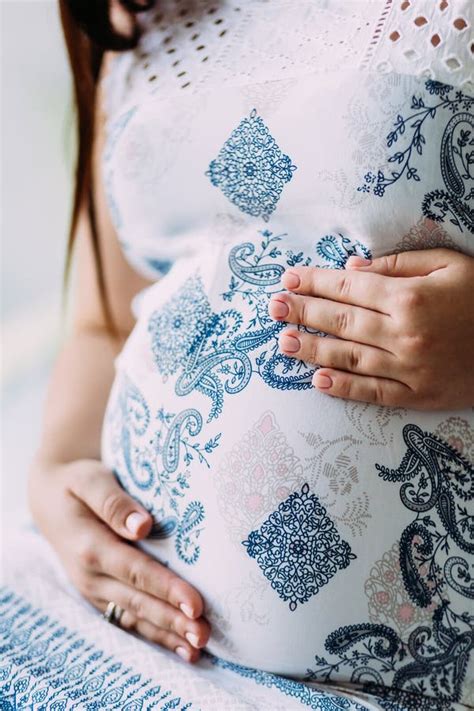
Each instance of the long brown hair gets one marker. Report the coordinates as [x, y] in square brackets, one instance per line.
[88, 33]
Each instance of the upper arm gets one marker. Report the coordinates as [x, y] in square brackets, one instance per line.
[122, 282]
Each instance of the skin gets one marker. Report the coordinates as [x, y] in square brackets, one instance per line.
[404, 327]
[75, 501]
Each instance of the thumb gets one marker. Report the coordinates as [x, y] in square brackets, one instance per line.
[403, 264]
[96, 486]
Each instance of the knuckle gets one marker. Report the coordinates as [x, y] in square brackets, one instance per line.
[354, 358]
[342, 321]
[390, 262]
[304, 311]
[136, 576]
[344, 387]
[378, 393]
[170, 588]
[172, 623]
[112, 507]
[412, 298]
[86, 554]
[343, 285]
[313, 351]
[415, 344]
[136, 604]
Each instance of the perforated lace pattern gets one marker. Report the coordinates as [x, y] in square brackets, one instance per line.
[431, 38]
[192, 45]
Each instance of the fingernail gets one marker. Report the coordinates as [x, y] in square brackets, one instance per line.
[183, 653]
[188, 611]
[358, 262]
[291, 280]
[135, 521]
[278, 309]
[289, 343]
[322, 381]
[192, 639]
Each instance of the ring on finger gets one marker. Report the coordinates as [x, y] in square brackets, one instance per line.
[118, 612]
[113, 613]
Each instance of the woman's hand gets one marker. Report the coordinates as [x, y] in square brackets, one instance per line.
[405, 324]
[89, 520]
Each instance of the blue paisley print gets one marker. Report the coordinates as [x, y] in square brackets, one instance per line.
[217, 353]
[156, 454]
[427, 670]
[250, 169]
[43, 665]
[454, 201]
[337, 250]
[317, 700]
[298, 548]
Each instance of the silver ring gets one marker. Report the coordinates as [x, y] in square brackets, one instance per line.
[117, 616]
[109, 614]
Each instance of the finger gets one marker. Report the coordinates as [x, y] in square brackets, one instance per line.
[336, 353]
[141, 572]
[404, 264]
[169, 640]
[349, 322]
[348, 287]
[379, 391]
[159, 613]
[98, 488]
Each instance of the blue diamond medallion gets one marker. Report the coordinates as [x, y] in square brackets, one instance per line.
[250, 169]
[298, 548]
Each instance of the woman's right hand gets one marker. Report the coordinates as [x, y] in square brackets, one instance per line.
[90, 521]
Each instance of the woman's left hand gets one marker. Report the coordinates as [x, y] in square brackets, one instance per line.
[405, 328]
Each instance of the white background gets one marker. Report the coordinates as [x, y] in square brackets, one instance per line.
[36, 158]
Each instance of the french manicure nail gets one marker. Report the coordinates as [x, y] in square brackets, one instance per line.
[279, 309]
[183, 653]
[192, 639]
[324, 382]
[291, 280]
[289, 343]
[134, 522]
[188, 611]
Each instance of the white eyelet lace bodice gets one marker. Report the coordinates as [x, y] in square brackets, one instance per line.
[258, 52]
[246, 137]
[203, 43]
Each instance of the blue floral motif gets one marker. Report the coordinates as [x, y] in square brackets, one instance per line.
[337, 250]
[176, 328]
[298, 548]
[427, 671]
[456, 155]
[250, 169]
[43, 665]
[315, 699]
[154, 456]
[217, 353]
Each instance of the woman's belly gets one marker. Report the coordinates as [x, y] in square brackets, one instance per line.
[310, 525]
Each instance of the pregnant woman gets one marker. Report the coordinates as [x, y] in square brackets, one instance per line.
[254, 164]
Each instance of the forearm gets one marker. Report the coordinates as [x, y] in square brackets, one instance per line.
[77, 397]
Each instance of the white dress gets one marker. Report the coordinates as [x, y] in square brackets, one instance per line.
[331, 540]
